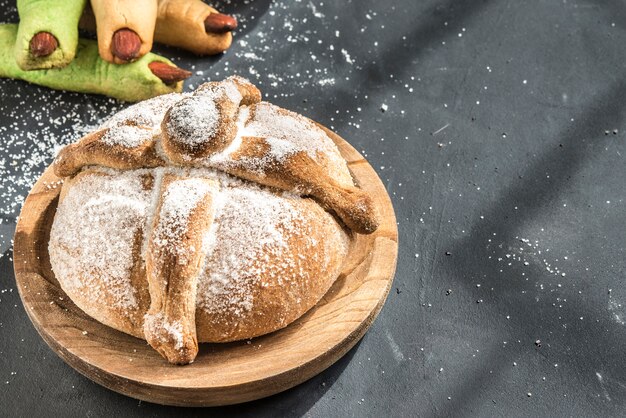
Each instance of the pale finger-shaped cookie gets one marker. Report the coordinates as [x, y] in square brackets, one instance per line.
[194, 26]
[125, 28]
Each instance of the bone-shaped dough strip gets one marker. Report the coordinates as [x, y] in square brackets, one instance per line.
[92, 150]
[114, 15]
[173, 262]
[297, 172]
[300, 174]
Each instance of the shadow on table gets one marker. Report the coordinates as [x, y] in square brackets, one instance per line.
[590, 345]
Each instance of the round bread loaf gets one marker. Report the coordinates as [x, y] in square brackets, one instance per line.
[210, 217]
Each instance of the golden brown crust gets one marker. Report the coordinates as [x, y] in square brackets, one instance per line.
[279, 301]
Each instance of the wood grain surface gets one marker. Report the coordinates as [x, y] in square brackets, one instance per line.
[222, 373]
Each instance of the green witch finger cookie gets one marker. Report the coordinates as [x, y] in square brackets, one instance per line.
[147, 77]
[48, 33]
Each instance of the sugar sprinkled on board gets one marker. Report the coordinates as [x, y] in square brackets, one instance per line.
[347, 56]
[39, 127]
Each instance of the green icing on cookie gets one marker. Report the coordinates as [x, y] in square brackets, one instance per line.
[88, 73]
[59, 18]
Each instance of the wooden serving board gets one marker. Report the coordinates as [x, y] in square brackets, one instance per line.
[222, 374]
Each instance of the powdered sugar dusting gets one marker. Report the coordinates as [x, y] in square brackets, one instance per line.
[273, 122]
[93, 234]
[280, 148]
[232, 92]
[179, 200]
[138, 123]
[53, 122]
[194, 120]
[157, 323]
[241, 258]
[224, 157]
[147, 114]
[286, 133]
[127, 135]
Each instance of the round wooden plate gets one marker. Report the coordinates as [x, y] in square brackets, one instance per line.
[222, 374]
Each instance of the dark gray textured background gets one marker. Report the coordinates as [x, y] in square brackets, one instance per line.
[502, 147]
